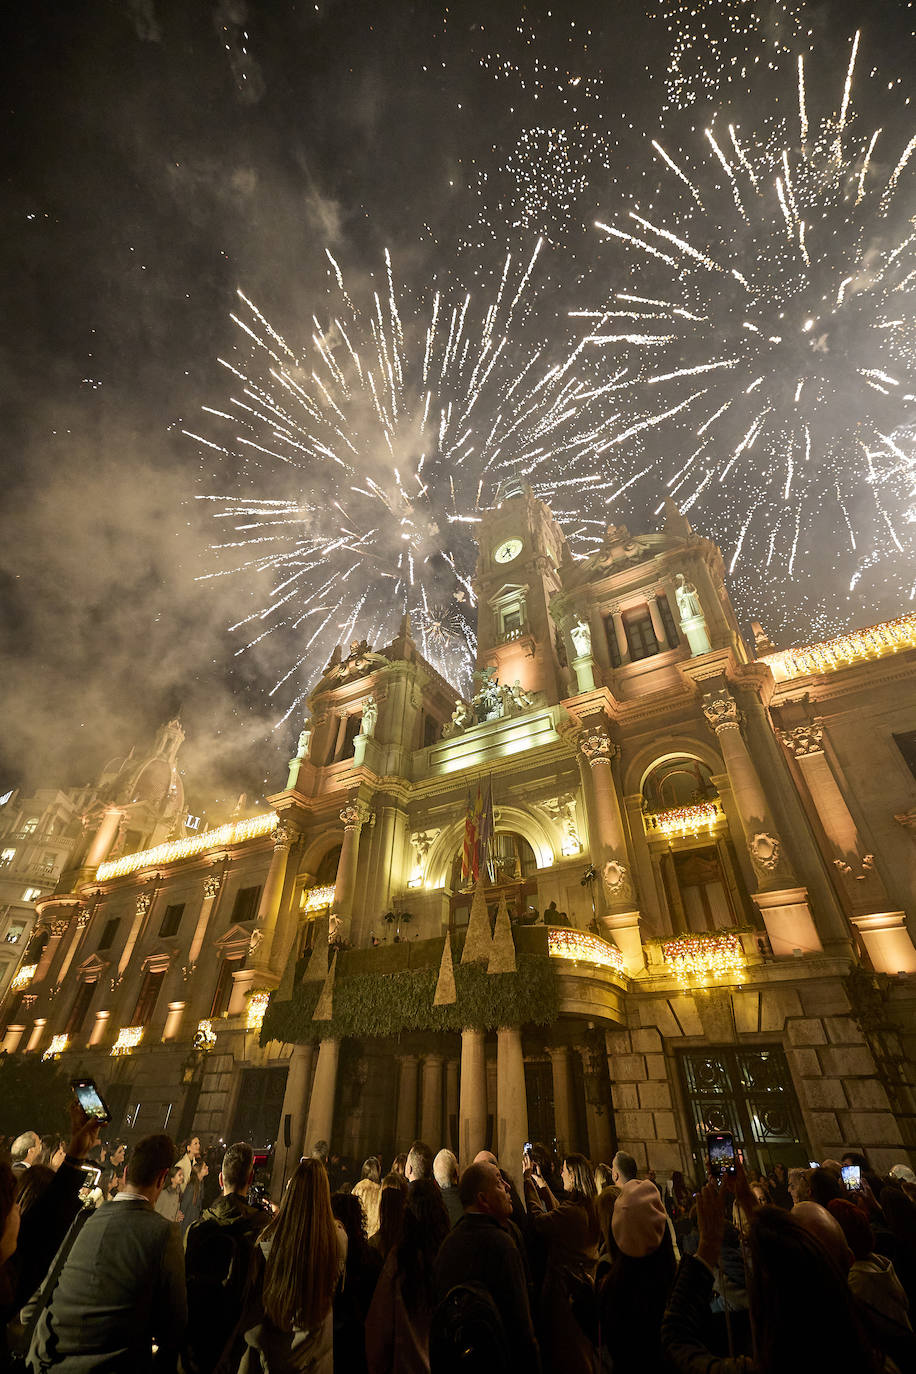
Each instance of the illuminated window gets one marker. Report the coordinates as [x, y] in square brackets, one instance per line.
[15, 932]
[664, 611]
[641, 641]
[7, 856]
[30, 826]
[31, 894]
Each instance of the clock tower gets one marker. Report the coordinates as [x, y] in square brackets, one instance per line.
[521, 549]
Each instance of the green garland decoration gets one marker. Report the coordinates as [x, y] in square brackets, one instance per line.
[384, 1004]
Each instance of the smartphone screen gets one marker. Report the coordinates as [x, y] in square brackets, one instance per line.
[93, 1174]
[720, 1150]
[852, 1177]
[90, 1099]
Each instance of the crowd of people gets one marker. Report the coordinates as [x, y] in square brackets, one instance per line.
[125, 1260]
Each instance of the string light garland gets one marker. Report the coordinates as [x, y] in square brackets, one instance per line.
[317, 898]
[563, 943]
[23, 977]
[233, 833]
[205, 1038]
[684, 820]
[56, 1048]
[257, 1006]
[704, 957]
[128, 1039]
[876, 641]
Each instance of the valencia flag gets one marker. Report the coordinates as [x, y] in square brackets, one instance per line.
[470, 854]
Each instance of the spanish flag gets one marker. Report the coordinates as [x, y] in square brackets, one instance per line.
[470, 854]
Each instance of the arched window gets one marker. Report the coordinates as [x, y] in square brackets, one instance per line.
[511, 859]
[676, 782]
[327, 869]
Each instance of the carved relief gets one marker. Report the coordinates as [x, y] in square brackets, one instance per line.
[59, 928]
[351, 818]
[257, 939]
[212, 885]
[597, 747]
[422, 841]
[765, 851]
[283, 835]
[144, 902]
[562, 811]
[617, 883]
[804, 739]
[720, 709]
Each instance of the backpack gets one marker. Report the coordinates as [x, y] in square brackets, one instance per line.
[467, 1335]
[219, 1264]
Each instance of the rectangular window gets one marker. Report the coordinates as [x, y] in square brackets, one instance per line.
[81, 1003]
[354, 725]
[906, 743]
[15, 932]
[108, 934]
[171, 920]
[149, 994]
[641, 641]
[31, 894]
[223, 993]
[430, 731]
[664, 611]
[512, 619]
[7, 856]
[245, 907]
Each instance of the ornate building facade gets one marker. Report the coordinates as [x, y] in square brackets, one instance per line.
[693, 912]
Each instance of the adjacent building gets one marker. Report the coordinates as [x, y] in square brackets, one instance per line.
[691, 912]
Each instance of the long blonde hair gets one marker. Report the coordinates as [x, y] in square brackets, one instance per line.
[302, 1268]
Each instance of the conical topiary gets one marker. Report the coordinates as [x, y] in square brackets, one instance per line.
[445, 987]
[478, 939]
[502, 949]
[325, 1008]
[317, 966]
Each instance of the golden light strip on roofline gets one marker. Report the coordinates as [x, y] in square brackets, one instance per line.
[233, 833]
[875, 641]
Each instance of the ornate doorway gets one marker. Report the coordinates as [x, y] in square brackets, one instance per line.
[750, 1093]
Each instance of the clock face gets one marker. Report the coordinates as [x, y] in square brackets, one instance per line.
[507, 550]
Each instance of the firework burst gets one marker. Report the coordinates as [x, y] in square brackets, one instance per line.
[767, 330]
[359, 464]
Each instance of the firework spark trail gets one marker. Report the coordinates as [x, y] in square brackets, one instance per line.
[784, 277]
[357, 467]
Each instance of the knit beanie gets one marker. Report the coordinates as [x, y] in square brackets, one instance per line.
[639, 1220]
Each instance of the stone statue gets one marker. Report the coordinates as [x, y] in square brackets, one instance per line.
[462, 718]
[305, 735]
[688, 602]
[370, 717]
[520, 699]
[581, 638]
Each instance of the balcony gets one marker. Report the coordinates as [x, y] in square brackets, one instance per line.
[703, 959]
[684, 821]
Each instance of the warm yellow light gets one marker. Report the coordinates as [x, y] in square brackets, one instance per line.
[317, 898]
[858, 645]
[206, 1035]
[257, 1006]
[684, 820]
[570, 847]
[563, 943]
[128, 1039]
[23, 977]
[57, 1046]
[704, 957]
[234, 833]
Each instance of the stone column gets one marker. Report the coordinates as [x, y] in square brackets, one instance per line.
[57, 929]
[72, 943]
[562, 1098]
[451, 1102]
[882, 929]
[142, 909]
[345, 884]
[320, 1118]
[173, 1020]
[406, 1127]
[38, 1030]
[472, 1120]
[511, 1100]
[271, 897]
[431, 1101]
[212, 885]
[782, 902]
[295, 1102]
[658, 628]
[608, 844]
[104, 837]
[623, 647]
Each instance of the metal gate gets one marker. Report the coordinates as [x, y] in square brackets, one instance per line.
[750, 1093]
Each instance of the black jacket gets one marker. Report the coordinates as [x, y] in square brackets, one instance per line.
[479, 1249]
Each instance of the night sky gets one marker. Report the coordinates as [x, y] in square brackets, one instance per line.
[161, 155]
